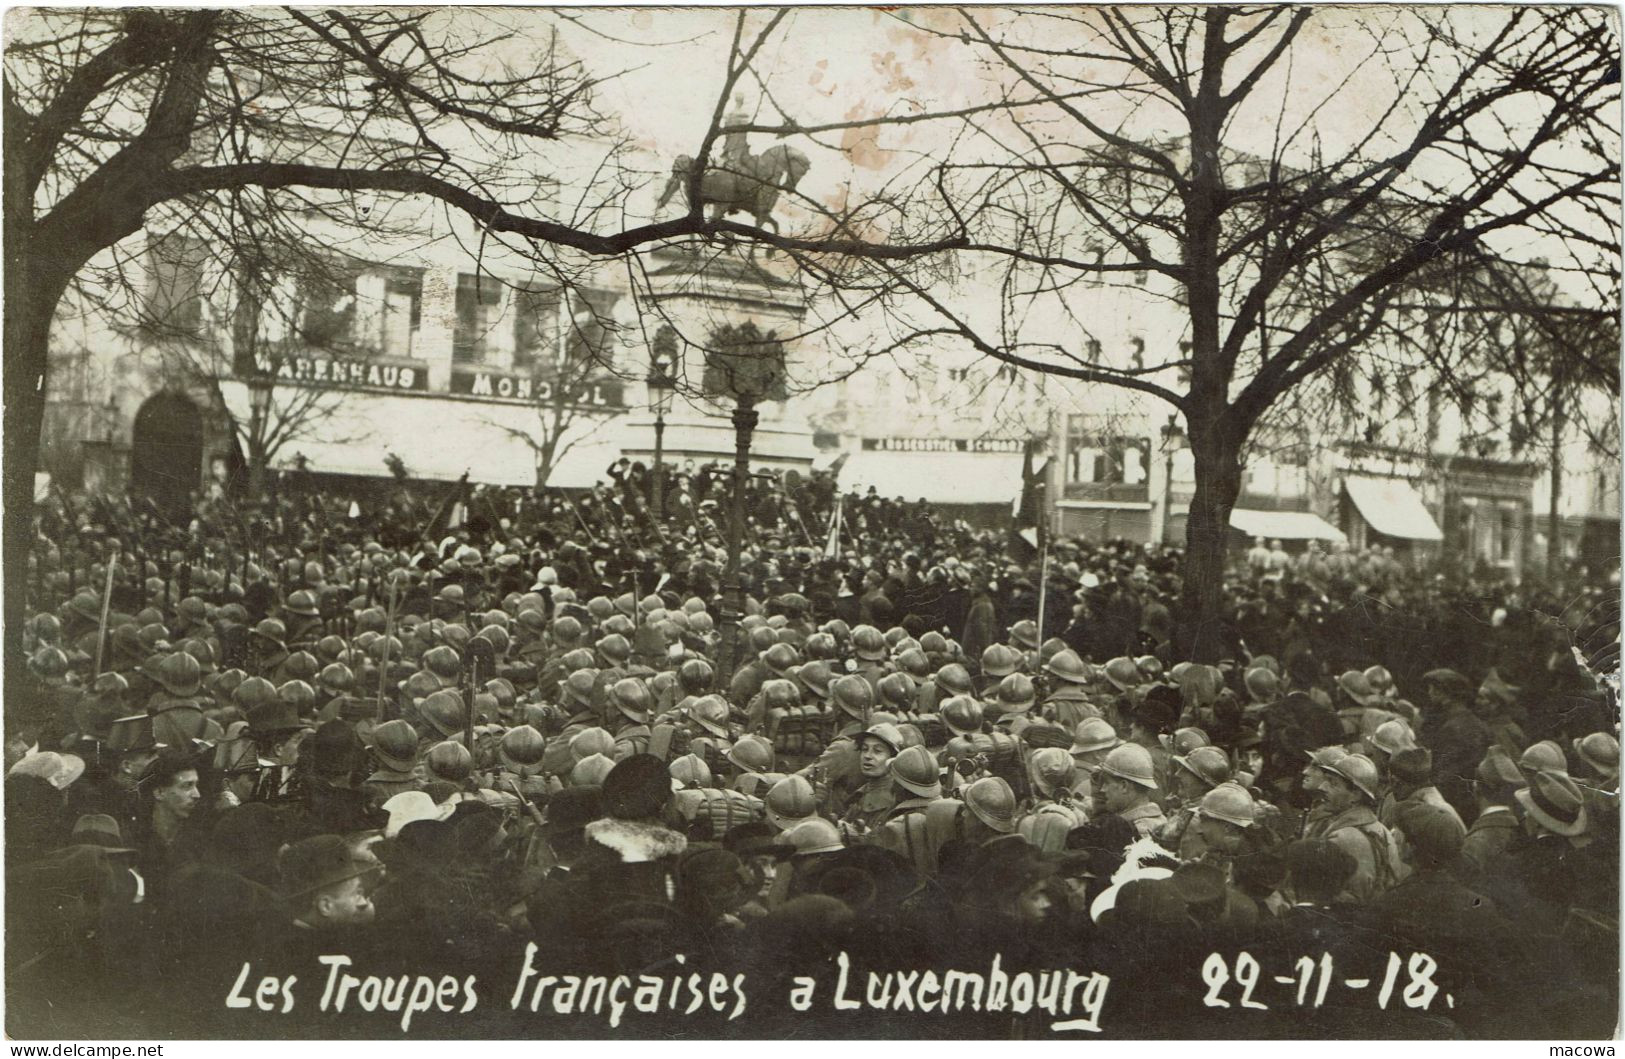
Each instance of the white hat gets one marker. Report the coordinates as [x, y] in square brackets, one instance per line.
[59, 769]
[409, 807]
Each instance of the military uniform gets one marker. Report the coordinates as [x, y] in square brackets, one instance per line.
[1069, 705]
[1358, 832]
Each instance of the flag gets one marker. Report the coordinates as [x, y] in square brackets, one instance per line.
[452, 512]
[1028, 513]
[832, 543]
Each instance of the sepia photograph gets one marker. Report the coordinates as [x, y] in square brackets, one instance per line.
[1048, 523]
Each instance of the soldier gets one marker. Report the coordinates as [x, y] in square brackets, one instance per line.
[1194, 775]
[1054, 811]
[868, 805]
[630, 699]
[870, 648]
[304, 619]
[1014, 699]
[948, 681]
[1069, 703]
[998, 661]
[1350, 796]
[1127, 787]
[708, 810]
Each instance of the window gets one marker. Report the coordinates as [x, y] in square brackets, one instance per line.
[175, 297]
[484, 331]
[362, 309]
[1102, 459]
[1507, 533]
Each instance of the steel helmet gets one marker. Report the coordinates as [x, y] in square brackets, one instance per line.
[790, 801]
[780, 657]
[534, 622]
[50, 662]
[577, 688]
[1016, 693]
[1381, 681]
[498, 618]
[179, 673]
[1262, 686]
[1067, 666]
[373, 619]
[1206, 763]
[1230, 802]
[690, 771]
[1052, 647]
[694, 605]
[837, 628]
[1150, 666]
[48, 629]
[780, 695]
[897, 690]
[1024, 633]
[1356, 687]
[396, 743]
[615, 649]
[993, 803]
[620, 625]
[711, 713]
[302, 602]
[449, 760]
[336, 678]
[626, 604]
[1094, 733]
[934, 643]
[1391, 737]
[589, 741]
[301, 665]
[253, 692]
[1000, 660]
[497, 636]
[631, 698]
[752, 753]
[1200, 684]
[329, 648]
[915, 664]
[954, 679]
[521, 748]
[271, 631]
[761, 638]
[577, 659]
[599, 608]
[884, 733]
[1123, 674]
[1360, 771]
[869, 643]
[565, 629]
[450, 594]
[1179, 670]
[444, 711]
[695, 676]
[1052, 770]
[420, 685]
[1188, 739]
[854, 695]
[662, 682]
[915, 770]
[814, 835]
[503, 690]
[962, 714]
[591, 771]
[701, 623]
[895, 636]
[820, 646]
[815, 677]
[1600, 751]
[1131, 762]
[443, 662]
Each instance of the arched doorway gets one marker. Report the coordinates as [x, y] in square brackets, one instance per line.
[166, 451]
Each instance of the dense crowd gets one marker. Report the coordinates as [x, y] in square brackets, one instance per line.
[331, 724]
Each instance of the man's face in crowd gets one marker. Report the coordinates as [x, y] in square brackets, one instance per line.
[1187, 788]
[1118, 794]
[181, 796]
[1034, 903]
[873, 757]
[130, 768]
[346, 903]
[1339, 794]
[1217, 835]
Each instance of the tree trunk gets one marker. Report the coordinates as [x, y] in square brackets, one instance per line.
[1207, 534]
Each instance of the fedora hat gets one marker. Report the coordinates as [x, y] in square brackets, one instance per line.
[99, 829]
[1555, 801]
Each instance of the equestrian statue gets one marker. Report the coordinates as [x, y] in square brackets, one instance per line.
[742, 182]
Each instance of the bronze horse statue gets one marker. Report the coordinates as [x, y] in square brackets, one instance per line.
[750, 185]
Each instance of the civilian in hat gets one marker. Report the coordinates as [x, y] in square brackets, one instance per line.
[171, 821]
[326, 885]
[1496, 826]
[1455, 734]
[1410, 782]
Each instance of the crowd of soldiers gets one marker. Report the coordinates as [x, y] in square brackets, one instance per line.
[431, 753]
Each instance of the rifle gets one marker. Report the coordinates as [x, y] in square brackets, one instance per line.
[383, 663]
[479, 650]
[107, 605]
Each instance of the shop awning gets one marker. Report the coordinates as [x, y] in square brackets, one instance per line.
[437, 439]
[938, 477]
[1392, 507]
[1284, 525]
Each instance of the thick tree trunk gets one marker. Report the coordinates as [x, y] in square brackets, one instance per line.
[1207, 532]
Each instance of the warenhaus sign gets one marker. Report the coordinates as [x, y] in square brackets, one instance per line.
[347, 372]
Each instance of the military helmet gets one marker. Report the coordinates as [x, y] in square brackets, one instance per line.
[253, 692]
[1131, 762]
[1392, 737]
[1000, 660]
[790, 801]
[1024, 633]
[752, 753]
[46, 628]
[853, 695]
[953, 679]
[1122, 673]
[780, 657]
[962, 714]
[1207, 763]
[503, 690]
[815, 677]
[711, 713]
[631, 697]
[179, 673]
[449, 761]
[521, 748]
[534, 622]
[577, 659]
[1361, 773]
[1016, 693]
[691, 771]
[820, 646]
[336, 678]
[497, 637]
[993, 803]
[1067, 666]
[301, 665]
[813, 835]
[444, 663]
[701, 623]
[396, 743]
[1150, 666]
[896, 689]
[1600, 751]
[695, 676]
[565, 629]
[868, 643]
[884, 733]
[1052, 770]
[50, 662]
[1263, 686]
[780, 695]
[329, 647]
[615, 648]
[934, 643]
[303, 603]
[577, 688]
[915, 770]
[591, 771]
[1380, 680]
[444, 710]
[762, 638]
[620, 625]
[589, 741]
[837, 628]
[896, 636]
[1188, 739]
[1231, 803]
[915, 664]
[600, 608]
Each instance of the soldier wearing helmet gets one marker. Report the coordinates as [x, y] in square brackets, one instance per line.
[998, 661]
[870, 653]
[1126, 785]
[1194, 774]
[867, 805]
[1014, 699]
[303, 618]
[1350, 792]
[1069, 701]
[949, 680]
[631, 701]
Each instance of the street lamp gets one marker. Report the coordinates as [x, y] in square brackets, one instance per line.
[259, 411]
[1172, 435]
[661, 384]
[749, 366]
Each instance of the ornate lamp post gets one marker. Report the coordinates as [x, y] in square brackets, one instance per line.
[259, 411]
[749, 367]
[662, 385]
